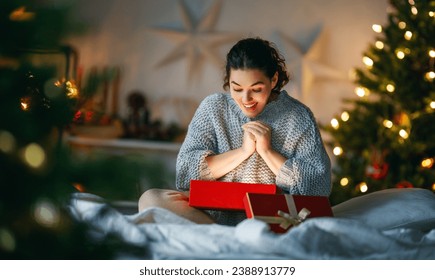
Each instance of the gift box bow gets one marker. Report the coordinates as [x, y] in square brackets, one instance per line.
[286, 219]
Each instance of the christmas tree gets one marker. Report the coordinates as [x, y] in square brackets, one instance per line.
[385, 138]
[38, 172]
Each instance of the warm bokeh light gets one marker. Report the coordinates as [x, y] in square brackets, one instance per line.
[337, 150]
[408, 35]
[432, 104]
[390, 88]
[367, 61]
[430, 75]
[400, 54]
[387, 123]
[379, 45]
[334, 123]
[432, 53]
[7, 142]
[427, 163]
[345, 116]
[363, 187]
[344, 181]
[46, 214]
[414, 10]
[404, 134]
[34, 155]
[377, 28]
[361, 91]
[402, 25]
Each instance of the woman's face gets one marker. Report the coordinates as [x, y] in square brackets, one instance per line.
[251, 89]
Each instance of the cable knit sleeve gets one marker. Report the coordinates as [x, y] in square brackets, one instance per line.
[199, 143]
[308, 170]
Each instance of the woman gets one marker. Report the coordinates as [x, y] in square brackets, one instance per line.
[257, 134]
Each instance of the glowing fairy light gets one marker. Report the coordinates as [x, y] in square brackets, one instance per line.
[387, 123]
[432, 53]
[431, 13]
[400, 54]
[46, 214]
[411, 2]
[427, 163]
[361, 91]
[390, 88]
[433, 187]
[402, 25]
[345, 116]
[377, 28]
[367, 61]
[404, 134]
[363, 187]
[379, 45]
[408, 35]
[335, 124]
[414, 10]
[7, 142]
[34, 155]
[432, 105]
[25, 103]
[344, 181]
[337, 150]
[430, 75]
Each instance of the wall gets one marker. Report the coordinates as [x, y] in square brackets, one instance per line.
[321, 41]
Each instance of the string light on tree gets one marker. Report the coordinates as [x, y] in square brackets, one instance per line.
[344, 181]
[337, 151]
[400, 54]
[362, 187]
[362, 91]
[404, 134]
[408, 35]
[377, 28]
[395, 96]
[345, 116]
[379, 45]
[334, 123]
[387, 123]
[427, 163]
[368, 62]
[390, 88]
[402, 25]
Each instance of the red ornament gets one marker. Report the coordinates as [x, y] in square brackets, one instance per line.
[404, 185]
[377, 171]
[379, 168]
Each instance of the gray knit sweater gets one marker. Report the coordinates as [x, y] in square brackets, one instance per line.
[217, 128]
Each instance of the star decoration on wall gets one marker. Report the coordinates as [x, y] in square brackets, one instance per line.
[198, 41]
[306, 66]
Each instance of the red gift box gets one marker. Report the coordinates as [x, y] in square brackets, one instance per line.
[224, 195]
[282, 211]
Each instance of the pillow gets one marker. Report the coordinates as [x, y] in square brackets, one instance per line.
[391, 208]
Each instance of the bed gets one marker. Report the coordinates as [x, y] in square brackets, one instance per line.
[388, 224]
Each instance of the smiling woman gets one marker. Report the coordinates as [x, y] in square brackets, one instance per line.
[255, 134]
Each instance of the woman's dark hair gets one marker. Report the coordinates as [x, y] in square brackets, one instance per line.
[256, 53]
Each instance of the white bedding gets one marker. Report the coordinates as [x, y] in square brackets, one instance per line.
[389, 224]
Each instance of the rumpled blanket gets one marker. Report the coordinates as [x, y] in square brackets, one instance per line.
[165, 235]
